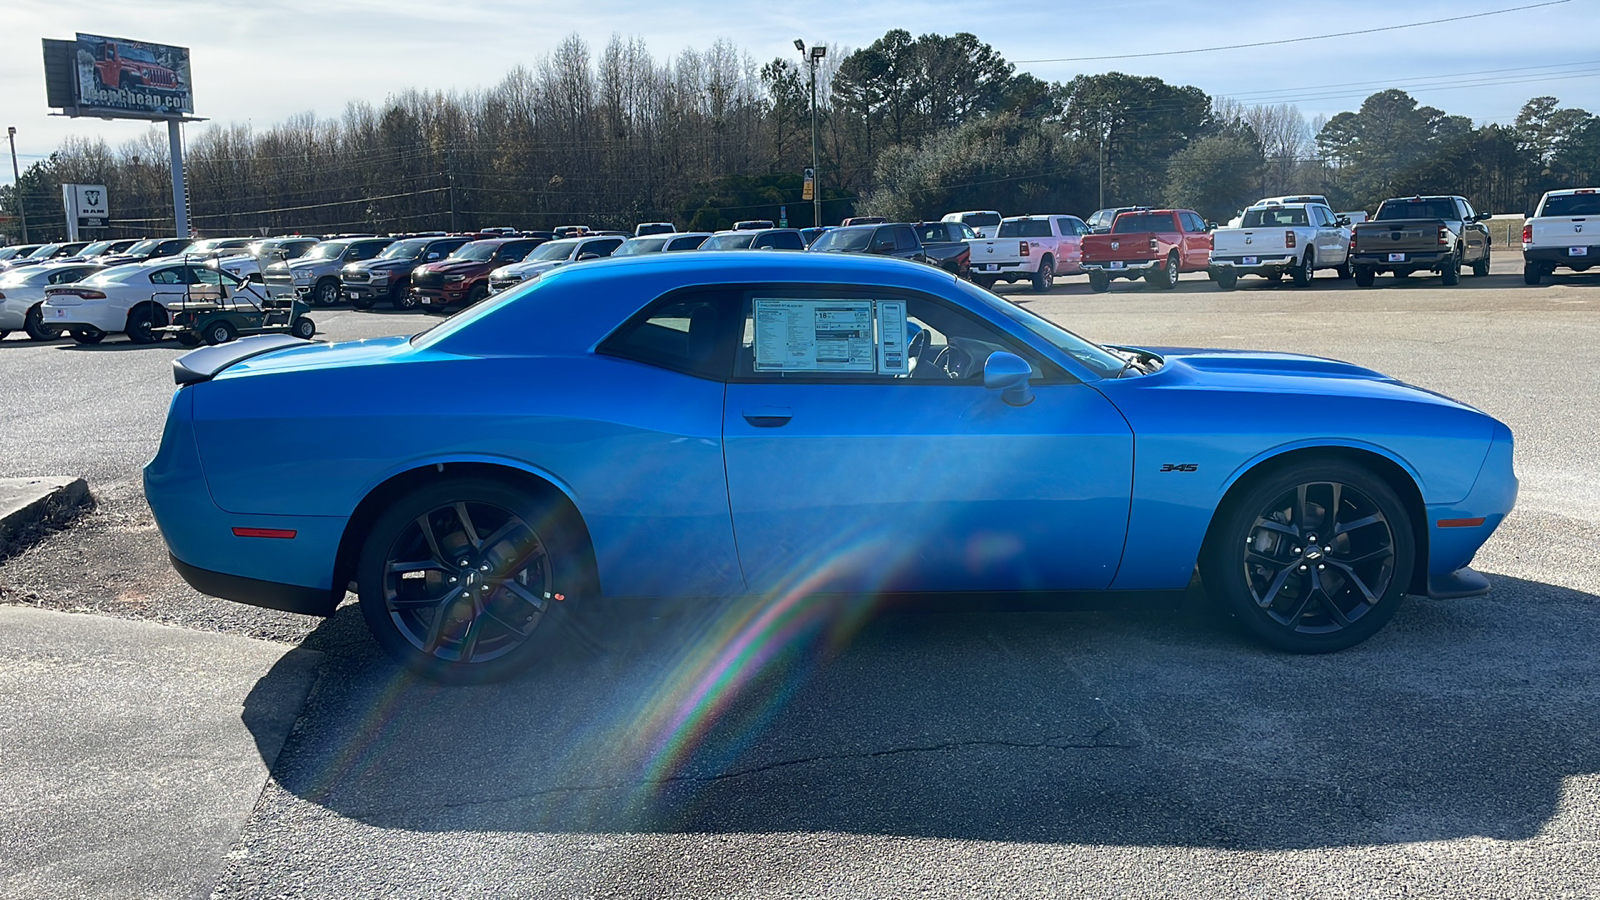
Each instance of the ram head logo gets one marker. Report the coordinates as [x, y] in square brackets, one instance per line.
[93, 197]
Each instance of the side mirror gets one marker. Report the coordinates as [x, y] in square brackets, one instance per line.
[1009, 374]
[433, 256]
[1211, 226]
[584, 256]
[1344, 221]
[886, 246]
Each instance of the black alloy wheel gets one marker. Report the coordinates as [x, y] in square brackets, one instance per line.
[463, 579]
[1311, 560]
[477, 294]
[33, 324]
[1303, 272]
[405, 300]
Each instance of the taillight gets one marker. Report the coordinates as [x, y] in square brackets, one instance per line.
[1024, 247]
[2, 295]
[85, 293]
[1288, 240]
[1444, 236]
[1155, 246]
[1527, 233]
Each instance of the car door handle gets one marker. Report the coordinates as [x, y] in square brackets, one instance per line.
[768, 416]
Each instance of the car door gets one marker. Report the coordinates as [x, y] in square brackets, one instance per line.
[1474, 234]
[1069, 245]
[1196, 241]
[1333, 240]
[864, 453]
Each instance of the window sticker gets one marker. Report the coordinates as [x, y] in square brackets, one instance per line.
[892, 338]
[815, 336]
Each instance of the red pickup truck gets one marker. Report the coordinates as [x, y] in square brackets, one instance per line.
[1156, 244]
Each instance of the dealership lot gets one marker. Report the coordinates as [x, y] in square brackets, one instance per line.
[950, 753]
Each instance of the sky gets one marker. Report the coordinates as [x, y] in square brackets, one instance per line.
[261, 61]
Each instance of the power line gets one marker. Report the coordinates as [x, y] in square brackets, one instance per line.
[1298, 40]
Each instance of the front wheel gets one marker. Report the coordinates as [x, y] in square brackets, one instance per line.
[404, 300]
[467, 581]
[1045, 277]
[1099, 282]
[33, 324]
[477, 294]
[1312, 559]
[220, 332]
[327, 292]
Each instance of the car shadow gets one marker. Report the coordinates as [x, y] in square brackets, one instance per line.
[1128, 727]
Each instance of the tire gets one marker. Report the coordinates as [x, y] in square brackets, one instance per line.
[1045, 277]
[476, 295]
[4, 335]
[1450, 273]
[1099, 282]
[1345, 272]
[220, 332]
[1303, 272]
[1531, 273]
[1166, 277]
[33, 324]
[326, 292]
[405, 300]
[1480, 269]
[1365, 277]
[303, 328]
[1227, 279]
[142, 319]
[189, 339]
[363, 302]
[1262, 566]
[528, 579]
[984, 281]
[88, 335]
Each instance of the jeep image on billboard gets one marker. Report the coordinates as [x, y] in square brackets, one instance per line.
[143, 79]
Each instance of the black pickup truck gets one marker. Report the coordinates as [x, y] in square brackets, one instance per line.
[945, 245]
[1411, 234]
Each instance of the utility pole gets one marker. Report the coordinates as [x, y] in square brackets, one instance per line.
[16, 183]
[1102, 163]
[450, 158]
[815, 56]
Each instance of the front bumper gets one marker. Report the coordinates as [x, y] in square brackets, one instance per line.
[1452, 538]
[437, 297]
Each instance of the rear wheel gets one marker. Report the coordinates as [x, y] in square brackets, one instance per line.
[188, 339]
[1531, 273]
[1227, 279]
[142, 320]
[1045, 277]
[469, 580]
[1099, 282]
[1365, 277]
[1450, 272]
[1311, 559]
[220, 332]
[1481, 267]
[1166, 276]
[88, 335]
[303, 328]
[33, 324]
[1302, 273]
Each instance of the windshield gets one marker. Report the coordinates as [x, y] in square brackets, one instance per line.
[1441, 208]
[981, 219]
[96, 248]
[1571, 205]
[1273, 217]
[327, 250]
[404, 249]
[144, 248]
[846, 240]
[735, 241]
[477, 251]
[1024, 228]
[641, 245]
[138, 54]
[1095, 358]
[552, 250]
[44, 252]
[1142, 223]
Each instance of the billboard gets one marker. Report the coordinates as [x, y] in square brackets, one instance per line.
[134, 79]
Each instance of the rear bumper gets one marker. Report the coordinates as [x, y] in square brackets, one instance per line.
[1122, 268]
[1411, 259]
[1262, 265]
[1562, 256]
[307, 601]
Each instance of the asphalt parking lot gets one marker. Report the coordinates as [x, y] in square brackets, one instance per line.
[976, 753]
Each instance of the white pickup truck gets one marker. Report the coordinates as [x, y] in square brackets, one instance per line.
[1274, 239]
[1029, 248]
[1563, 231]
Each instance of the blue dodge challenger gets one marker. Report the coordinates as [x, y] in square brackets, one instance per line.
[716, 424]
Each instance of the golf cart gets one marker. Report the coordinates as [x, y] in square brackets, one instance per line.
[216, 314]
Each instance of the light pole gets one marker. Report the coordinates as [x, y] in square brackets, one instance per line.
[16, 182]
[813, 57]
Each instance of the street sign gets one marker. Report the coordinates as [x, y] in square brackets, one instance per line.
[809, 191]
[783, 217]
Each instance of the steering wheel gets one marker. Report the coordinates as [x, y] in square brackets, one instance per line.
[954, 362]
[918, 346]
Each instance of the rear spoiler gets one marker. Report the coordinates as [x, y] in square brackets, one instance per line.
[204, 364]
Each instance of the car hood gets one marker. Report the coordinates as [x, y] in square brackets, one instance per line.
[529, 269]
[1267, 371]
[446, 267]
[308, 263]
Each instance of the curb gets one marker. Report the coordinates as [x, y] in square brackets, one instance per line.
[31, 508]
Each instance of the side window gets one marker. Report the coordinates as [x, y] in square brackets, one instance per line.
[203, 275]
[684, 243]
[813, 334]
[905, 238]
[1466, 209]
[65, 276]
[690, 333]
[605, 247]
[1192, 223]
[173, 275]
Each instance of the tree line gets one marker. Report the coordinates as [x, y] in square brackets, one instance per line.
[910, 127]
